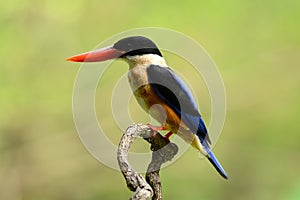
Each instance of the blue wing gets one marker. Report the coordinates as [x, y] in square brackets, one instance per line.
[172, 90]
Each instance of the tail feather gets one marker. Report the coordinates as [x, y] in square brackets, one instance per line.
[213, 160]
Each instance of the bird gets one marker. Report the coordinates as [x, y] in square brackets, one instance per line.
[154, 83]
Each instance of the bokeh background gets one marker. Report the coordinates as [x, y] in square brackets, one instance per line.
[255, 44]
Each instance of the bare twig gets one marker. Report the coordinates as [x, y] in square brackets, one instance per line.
[163, 151]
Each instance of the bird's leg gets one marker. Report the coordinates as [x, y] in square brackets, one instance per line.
[156, 128]
[168, 135]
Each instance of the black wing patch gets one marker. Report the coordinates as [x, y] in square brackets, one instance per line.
[172, 90]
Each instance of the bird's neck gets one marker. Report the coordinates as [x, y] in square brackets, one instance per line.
[145, 60]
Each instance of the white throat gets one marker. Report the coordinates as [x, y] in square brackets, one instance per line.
[145, 60]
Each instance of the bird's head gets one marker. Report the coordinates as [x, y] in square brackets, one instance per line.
[127, 48]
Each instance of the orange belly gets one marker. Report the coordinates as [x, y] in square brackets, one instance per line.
[158, 109]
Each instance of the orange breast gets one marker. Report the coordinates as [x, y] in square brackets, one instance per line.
[158, 109]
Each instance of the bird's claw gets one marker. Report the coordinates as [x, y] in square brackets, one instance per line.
[156, 128]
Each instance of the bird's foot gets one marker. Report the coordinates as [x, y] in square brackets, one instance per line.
[168, 135]
[156, 128]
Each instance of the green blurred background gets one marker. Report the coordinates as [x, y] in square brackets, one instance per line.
[255, 44]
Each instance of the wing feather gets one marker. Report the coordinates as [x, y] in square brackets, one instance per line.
[172, 90]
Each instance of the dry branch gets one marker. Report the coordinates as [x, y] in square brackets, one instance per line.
[163, 151]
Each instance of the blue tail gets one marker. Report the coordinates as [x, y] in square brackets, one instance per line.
[213, 160]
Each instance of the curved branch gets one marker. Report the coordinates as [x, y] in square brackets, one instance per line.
[163, 151]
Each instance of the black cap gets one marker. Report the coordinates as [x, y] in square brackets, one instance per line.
[137, 45]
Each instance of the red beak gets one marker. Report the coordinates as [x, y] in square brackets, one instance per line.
[97, 55]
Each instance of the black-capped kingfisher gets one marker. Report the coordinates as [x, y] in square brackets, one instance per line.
[154, 83]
